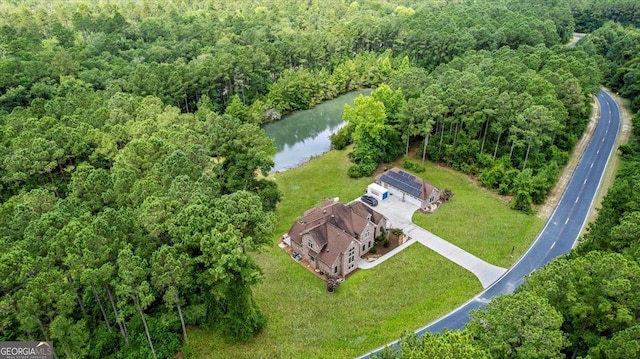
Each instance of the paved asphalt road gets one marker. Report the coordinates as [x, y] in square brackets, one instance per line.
[563, 226]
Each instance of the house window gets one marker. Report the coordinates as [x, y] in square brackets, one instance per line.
[363, 247]
[310, 244]
[366, 234]
[369, 244]
[312, 259]
[335, 269]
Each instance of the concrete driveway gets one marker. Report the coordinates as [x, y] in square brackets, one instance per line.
[399, 215]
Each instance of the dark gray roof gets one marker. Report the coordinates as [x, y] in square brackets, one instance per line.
[403, 181]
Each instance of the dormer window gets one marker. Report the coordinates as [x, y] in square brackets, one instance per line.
[310, 244]
[367, 234]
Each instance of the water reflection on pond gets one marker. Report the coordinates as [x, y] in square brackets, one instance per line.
[305, 134]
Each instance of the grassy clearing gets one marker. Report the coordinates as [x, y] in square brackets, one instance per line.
[372, 307]
[478, 220]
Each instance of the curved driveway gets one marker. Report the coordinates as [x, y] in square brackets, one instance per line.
[563, 227]
[399, 214]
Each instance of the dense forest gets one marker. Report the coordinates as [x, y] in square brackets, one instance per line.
[132, 181]
[590, 15]
[584, 304]
[509, 116]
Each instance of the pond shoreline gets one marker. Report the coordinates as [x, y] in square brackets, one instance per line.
[304, 134]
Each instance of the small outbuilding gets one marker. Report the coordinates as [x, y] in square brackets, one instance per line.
[409, 188]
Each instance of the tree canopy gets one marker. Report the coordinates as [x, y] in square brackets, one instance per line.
[133, 184]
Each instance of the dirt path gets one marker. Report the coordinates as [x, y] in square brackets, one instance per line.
[544, 211]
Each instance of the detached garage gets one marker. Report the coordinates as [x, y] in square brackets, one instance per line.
[409, 188]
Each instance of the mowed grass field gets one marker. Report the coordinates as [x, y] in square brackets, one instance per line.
[477, 220]
[375, 306]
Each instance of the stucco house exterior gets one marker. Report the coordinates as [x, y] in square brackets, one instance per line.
[409, 188]
[334, 236]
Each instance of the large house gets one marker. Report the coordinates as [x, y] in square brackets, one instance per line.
[409, 188]
[334, 236]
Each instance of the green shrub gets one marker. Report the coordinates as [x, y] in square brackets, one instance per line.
[355, 171]
[522, 202]
[412, 166]
[373, 250]
[386, 243]
[341, 139]
[361, 170]
[500, 175]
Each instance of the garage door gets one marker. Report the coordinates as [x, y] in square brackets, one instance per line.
[394, 191]
[408, 198]
[413, 200]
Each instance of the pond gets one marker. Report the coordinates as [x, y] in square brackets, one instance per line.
[305, 134]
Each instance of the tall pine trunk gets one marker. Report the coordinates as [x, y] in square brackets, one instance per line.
[455, 138]
[184, 328]
[121, 324]
[75, 291]
[495, 151]
[441, 138]
[46, 338]
[484, 137]
[104, 313]
[408, 138]
[526, 157]
[424, 150]
[513, 144]
[144, 322]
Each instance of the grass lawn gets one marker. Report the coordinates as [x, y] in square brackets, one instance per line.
[374, 306]
[477, 220]
[368, 310]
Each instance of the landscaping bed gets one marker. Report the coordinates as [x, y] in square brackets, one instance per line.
[380, 248]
